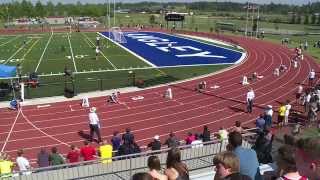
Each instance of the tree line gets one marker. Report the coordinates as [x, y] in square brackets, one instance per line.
[297, 14]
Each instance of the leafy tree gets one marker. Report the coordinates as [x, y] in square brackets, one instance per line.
[39, 9]
[293, 19]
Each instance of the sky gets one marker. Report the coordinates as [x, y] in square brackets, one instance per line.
[296, 2]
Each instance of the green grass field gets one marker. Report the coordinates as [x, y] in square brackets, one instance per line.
[48, 54]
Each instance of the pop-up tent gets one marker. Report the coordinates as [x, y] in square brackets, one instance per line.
[7, 71]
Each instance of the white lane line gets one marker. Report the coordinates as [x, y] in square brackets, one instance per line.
[16, 52]
[12, 39]
[10, 132]
[114, 67]
[46, 134]
[44, 51]
[72, 55]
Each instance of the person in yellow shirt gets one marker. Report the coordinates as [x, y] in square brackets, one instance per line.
[5, 166]
[105, 151]
[281, 115]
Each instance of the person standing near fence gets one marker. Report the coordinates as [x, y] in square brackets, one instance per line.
[94, 124]
[250, 97]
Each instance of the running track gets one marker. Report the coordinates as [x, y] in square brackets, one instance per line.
[59, 125]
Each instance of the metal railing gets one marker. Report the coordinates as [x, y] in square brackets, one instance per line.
[123, 167]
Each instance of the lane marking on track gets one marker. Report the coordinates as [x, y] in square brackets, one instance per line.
[11, 130]
[43, 106]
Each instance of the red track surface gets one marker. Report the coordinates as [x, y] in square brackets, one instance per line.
[189, 111]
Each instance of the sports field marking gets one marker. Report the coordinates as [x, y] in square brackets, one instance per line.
[114, 67]
[9, 41]
[44, 51]
[29, 50]
[11, 130]
[46, 134]
[89, 44]
[16, 52]
[71, 50]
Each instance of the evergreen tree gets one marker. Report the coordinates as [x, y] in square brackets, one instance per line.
[306, 19]
[313, 19]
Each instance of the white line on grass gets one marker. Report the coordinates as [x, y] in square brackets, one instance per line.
[9, 41]
[16, 52]
[74, 62]
[30, 48]
[11, 130]
[86, 40]
[43, 52]
[114, 67]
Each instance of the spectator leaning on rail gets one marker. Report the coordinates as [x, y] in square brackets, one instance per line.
[155, 144]
[105, 151]
[43, 158]
[88, 152]
[5, 166]
[116, 140]
[128, 136]
[172, 141]
[55, 158]
[22, 162]
[227, 167]
[249, 164]
[73, 156]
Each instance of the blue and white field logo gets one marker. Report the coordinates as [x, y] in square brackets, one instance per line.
[161, 49]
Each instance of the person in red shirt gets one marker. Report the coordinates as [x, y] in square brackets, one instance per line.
[190, 138]
[74, 155]
[88, 152]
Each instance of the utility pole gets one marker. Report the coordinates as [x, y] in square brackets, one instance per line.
[246, 31]
[258, 18]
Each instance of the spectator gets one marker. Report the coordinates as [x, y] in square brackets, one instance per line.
[5, 166]
[88, 152]
[22, 162]
[287, 112]
[263, 148]
[308, 157]
[94, 124]
[43, 158]
[228, 167]
[141, 176]
[105, 151]
[74, 155]
[250, 98]
[128, 148]
[154, 168]
[260, 123]
[237, 127]
[268, 116]
[128, 136]
[197, 141]
[249, 164]
[55, 158]
[172, 141]
[286, 162]
[116, 140]
[223, 134]
[190, 137]
[205, 136]
[281, 114]
[155, 144]
[175, 168]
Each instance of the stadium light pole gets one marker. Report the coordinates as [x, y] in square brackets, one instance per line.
[247, 17]
[258, 18]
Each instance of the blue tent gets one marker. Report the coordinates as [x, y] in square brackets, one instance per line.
[7, 71]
